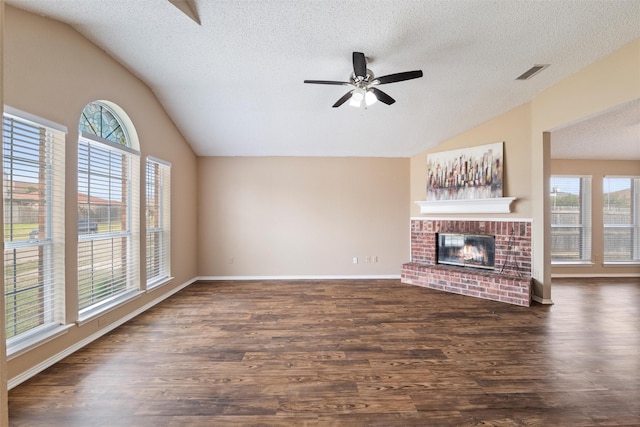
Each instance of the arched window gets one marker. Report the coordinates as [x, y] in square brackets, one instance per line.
[108, 209]
[99, 120]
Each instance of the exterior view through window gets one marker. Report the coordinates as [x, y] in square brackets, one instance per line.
[621, 216]
[158, 199]
[33, 191]
[108, 213]
[570, 219]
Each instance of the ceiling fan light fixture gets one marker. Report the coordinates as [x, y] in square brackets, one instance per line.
[370, 98]
[357, 97]
[363, 82]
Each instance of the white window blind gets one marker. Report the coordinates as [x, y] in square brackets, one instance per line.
[108, 223]
[620, 217]
[33, 190]
[570, 219]
[158, 200]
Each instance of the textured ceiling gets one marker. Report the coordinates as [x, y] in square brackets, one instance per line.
[234, 84]
[612, 135]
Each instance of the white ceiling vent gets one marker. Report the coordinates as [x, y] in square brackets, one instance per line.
[532, 71]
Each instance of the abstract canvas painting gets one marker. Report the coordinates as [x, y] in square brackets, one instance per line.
[468, 173]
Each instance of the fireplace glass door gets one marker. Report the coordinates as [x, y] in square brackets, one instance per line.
[467, 250]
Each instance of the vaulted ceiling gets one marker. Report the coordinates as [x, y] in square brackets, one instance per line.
[233, 83]
[611, 135]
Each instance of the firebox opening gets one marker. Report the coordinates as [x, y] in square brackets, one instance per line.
[468, 250]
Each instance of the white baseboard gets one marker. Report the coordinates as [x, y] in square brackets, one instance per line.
[595, 276]
[24, 376]
[310, 277]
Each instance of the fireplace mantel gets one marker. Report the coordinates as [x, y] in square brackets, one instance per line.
[493, 205]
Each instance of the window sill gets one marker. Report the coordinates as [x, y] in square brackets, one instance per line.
[107, 306]
[620, 263]
[35, 339]
[159, 282]
[572, 264]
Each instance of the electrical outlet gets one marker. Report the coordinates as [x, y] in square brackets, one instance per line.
[367, 259]
[355, 259]
[231, 260]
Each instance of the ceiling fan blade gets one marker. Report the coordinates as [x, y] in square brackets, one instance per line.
[359, 65]
[344, 99]
[327, 82]
[382, 97]
[397, 77]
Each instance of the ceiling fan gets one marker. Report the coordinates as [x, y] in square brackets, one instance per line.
[364, 84]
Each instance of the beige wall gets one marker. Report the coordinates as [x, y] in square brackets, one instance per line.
[513, 128]
[612, 81]
[597, 170]
[53, 72]
[299, 216]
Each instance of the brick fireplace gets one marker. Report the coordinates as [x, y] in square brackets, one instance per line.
[509, 281]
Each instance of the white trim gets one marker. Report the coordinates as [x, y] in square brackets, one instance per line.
[155, 284]
[88, 137]
[311, 277]
[26, 345]
[19, 379]
[621, 264]
[92, 312]
[467, 218]
[33, 118]
[466, 206]
[157, 160]
[568, 264]
[593, 275]
[621, 176]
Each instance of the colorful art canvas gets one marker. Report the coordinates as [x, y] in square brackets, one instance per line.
[468, 173]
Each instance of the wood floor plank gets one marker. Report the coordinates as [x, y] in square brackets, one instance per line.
[352, 353]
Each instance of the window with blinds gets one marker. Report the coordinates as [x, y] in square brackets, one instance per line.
[33, 189]
[620, 217]
[570, 219]
[108, 220]
[158, 200]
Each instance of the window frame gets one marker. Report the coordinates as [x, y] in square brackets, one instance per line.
[50, 247]
[585, 225]
[633, 226]
[158, 189]
[118, 280]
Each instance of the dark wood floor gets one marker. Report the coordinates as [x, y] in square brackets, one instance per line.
[352, 353]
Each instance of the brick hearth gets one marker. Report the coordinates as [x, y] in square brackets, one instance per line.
[510, 282]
